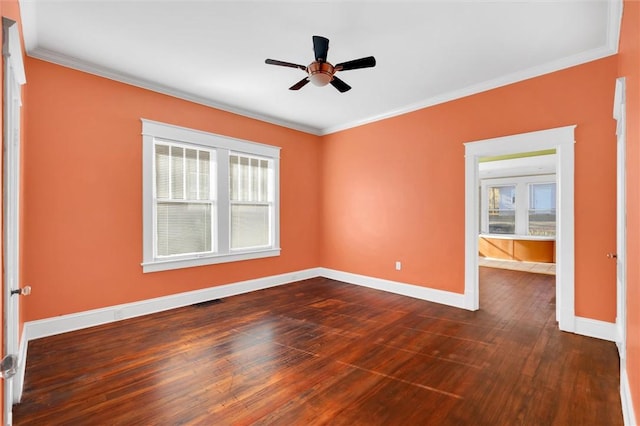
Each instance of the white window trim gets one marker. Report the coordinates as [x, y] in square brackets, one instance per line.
[522, 201]
[152, 130]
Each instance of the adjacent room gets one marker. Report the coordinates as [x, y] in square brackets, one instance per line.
[518, 212]
[269, 212]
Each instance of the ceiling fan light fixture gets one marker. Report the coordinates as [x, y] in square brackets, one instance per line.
[320, 79]
[320, 73]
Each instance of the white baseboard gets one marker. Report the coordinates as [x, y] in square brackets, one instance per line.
[411, 290]
[583, 326]
[595, 328]
[65, 323]
[628, 413]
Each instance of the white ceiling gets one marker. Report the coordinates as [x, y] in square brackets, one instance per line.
[525, 166]
[213, 52]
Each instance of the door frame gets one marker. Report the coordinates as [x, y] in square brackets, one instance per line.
[619, 114]
[561, 139]
[14, 78]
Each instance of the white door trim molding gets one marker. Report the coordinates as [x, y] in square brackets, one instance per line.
[562, 140]
[619, 114]
[628, 413]
[14, 78]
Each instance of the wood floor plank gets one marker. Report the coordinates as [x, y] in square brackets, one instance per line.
[322, 352]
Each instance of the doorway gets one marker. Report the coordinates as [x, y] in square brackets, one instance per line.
[562, 140]
[518, 211]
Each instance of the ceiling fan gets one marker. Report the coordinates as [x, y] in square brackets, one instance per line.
[320, 72]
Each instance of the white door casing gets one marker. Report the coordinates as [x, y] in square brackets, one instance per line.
[14, 78]
[562, 140]
[619, 113]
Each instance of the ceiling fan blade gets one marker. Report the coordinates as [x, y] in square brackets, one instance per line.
[340, 85]
[367, 62]
[320, 48]
[299, 85]
[284, 64]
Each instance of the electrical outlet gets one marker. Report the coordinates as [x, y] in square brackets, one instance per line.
[398, 265]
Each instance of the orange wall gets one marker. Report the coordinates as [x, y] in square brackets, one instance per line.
[391, 190]
[394, 189]
[629, 67]
[83, 204]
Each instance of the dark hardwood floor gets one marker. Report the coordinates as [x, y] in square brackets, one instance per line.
[325, 352]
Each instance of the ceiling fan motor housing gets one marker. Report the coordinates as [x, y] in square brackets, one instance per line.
[320, 73]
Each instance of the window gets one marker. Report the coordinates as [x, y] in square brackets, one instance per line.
[251, 203]
[542, 209]
[184, 203]
[502, 209]
[519, 206]
[206, 198]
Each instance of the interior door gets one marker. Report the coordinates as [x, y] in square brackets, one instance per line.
[619, 113]
[13, 79]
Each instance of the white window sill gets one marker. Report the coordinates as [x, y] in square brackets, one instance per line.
[168, 264]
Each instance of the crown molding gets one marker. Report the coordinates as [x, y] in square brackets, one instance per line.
[614, 12]
[550, 67]
[614, 24]
[611, 48]
[77, 64]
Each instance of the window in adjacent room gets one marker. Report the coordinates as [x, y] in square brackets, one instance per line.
[206, 198]
[524, 205]
[542, 209]
[502, 209]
